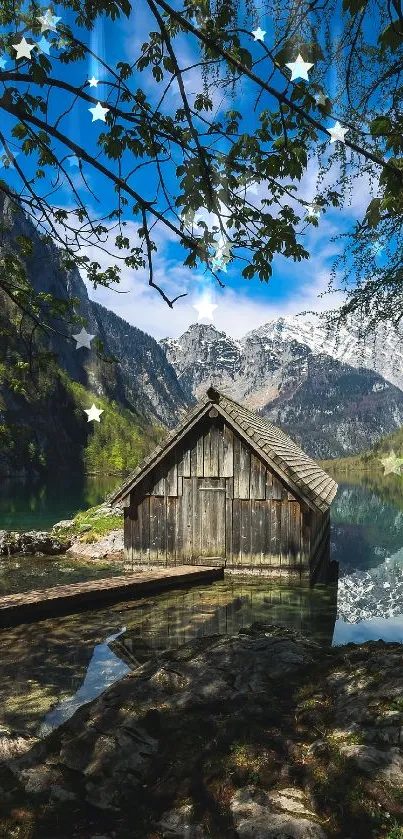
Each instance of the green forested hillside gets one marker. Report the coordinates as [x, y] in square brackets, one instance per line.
[45, 429]
[370, 460]
[43, 424]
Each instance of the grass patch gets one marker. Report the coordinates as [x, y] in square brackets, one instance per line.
[395, 832]
[93, 524]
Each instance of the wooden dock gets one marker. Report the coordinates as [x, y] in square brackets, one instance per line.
[31, 606]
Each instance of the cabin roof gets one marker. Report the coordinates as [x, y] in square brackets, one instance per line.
[290, 462]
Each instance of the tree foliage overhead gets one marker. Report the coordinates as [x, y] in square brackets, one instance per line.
[193, 158]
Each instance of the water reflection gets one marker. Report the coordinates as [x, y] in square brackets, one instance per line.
[24, 573]
[33, 504]
[226, 608]
[104, 669]
[385, 629]
[49, 668]
[367, 521]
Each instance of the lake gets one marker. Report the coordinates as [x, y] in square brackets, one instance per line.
[50, 668]
[38, 505]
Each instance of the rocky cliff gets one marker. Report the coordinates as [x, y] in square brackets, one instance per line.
[381, 350]
[43, 425]
[142, 380]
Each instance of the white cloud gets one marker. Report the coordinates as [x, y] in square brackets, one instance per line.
[238, 310]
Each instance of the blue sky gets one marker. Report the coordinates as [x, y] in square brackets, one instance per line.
[243, 304]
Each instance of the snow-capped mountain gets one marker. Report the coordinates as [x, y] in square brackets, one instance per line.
[382, 350]
[330, 407]
[252, 371]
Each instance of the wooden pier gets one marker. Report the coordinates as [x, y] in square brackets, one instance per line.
[31, 606]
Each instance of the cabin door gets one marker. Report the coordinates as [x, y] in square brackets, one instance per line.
[210, 520]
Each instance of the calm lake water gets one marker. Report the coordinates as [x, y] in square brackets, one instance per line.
[50, 668]
[35, 505]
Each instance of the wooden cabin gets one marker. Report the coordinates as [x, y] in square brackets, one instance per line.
[226, 487]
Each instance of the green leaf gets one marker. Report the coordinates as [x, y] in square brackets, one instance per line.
[380, 126]
[19, 131]
[157, 73]
[373, 213]
[245, 58]
[391, 37]
[353, 6]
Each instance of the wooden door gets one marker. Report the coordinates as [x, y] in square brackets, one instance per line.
[209, 522]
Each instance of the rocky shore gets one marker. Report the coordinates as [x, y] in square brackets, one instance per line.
[265, 734]
[74, 537]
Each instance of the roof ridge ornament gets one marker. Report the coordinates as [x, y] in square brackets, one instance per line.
[213, 394]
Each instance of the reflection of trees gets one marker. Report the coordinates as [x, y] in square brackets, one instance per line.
[388, 488]
[366, 526]
[96, 488]
[38, 504]
[350, 547]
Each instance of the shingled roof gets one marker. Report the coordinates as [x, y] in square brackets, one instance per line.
[290, 462]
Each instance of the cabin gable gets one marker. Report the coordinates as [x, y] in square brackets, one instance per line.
[214, 450]
[213, 500]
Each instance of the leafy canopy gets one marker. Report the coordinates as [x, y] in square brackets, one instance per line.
[199, 160]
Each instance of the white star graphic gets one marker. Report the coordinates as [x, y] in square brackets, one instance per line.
[205, 308]
[299, 68]
[219, 264]
[392, 463]
[337, 132]
[377, 248]
[223, 248]
[259, 34]
[321, 99]
[44, 45]
[83, 339]
[93, 82]
[23, 49]
[252, 187]
[98, 112]
[94, 413]
[221, 255]
[61, 43]
[48, 21]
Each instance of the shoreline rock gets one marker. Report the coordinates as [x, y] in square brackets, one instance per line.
[110, 547]
[261, 734]
[31, 543]
[58, 540]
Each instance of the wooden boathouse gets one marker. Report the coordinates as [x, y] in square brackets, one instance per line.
[226, 487]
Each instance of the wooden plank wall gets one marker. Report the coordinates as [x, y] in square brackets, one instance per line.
[264, 523]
